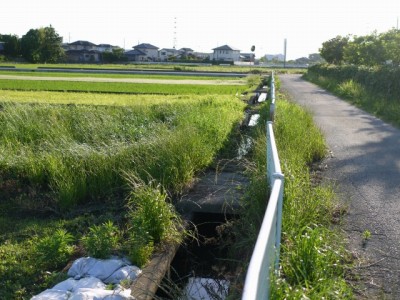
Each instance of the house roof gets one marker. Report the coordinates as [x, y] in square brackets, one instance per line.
[82, 43]
[134, 52]
[105, 45]
[77, 52]
[145, 46]
[186, 49]
[226, 47]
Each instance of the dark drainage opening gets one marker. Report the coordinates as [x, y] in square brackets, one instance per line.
[200, 268]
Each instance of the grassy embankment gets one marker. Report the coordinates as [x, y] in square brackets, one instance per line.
[80, 168]
[373, 89]
[313, 257]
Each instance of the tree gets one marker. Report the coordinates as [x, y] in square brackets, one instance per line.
[42, 45]
[333, 50]
[117, 54]
[30, 46]
[315, 58]
[51, 46]
[390, 42]
[365, 50]
[12, 45]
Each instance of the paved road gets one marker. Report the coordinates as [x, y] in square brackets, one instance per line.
[365, 165]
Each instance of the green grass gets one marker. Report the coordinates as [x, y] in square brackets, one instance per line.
[64, 165]
[119, 87]
[379, 96]
[35, 73]
[313, 258]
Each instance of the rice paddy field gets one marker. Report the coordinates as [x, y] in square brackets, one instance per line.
[72, 155]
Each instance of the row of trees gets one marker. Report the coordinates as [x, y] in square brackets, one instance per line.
[42, 45]
[369, 50]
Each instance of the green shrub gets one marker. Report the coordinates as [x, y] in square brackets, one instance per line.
[54, 251]
[101, 240]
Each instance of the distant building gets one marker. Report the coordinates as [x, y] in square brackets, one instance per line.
[82, 45]
[105, 47]
[82, 52]
[274, 57]
[168, 53]
[247, 57]
[143, 52]
[202, 55]
[226, 53]
[186, 51]
[2, 47]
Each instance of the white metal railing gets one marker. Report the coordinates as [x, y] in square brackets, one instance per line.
[265, 256]
[272, 93]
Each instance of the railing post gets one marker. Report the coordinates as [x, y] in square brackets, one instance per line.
[279, 220]
[272, 92]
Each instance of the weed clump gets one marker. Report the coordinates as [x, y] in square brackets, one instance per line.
[101, 240]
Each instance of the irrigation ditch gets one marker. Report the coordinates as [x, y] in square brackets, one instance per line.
[200, 268]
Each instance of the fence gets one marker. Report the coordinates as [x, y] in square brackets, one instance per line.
[265, 256]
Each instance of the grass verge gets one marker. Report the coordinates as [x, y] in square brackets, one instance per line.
[383, 103]
[313, 256]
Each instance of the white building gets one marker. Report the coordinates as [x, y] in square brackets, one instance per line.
[226, 53]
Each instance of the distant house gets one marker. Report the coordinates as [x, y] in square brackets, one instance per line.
[274, 57]
[167, 53]
[226, 53]
[186, 51]
[143, 52]
[202, 55]
[2, 47]
[105, 47]
[82, 45]
[82, 52]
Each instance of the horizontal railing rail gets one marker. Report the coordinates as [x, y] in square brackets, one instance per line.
[265, 257]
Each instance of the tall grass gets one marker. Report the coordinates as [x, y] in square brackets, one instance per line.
[80, 152]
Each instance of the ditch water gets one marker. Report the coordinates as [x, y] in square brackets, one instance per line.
[199, 267]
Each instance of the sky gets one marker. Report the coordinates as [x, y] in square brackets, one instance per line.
[206, 24]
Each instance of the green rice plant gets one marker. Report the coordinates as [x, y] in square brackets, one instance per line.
[120, 87]
[79, 151]
[54, 250]
[101, 240]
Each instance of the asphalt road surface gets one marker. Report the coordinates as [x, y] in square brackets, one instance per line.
[365, 169]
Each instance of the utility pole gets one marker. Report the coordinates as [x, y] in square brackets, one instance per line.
[284, 52]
